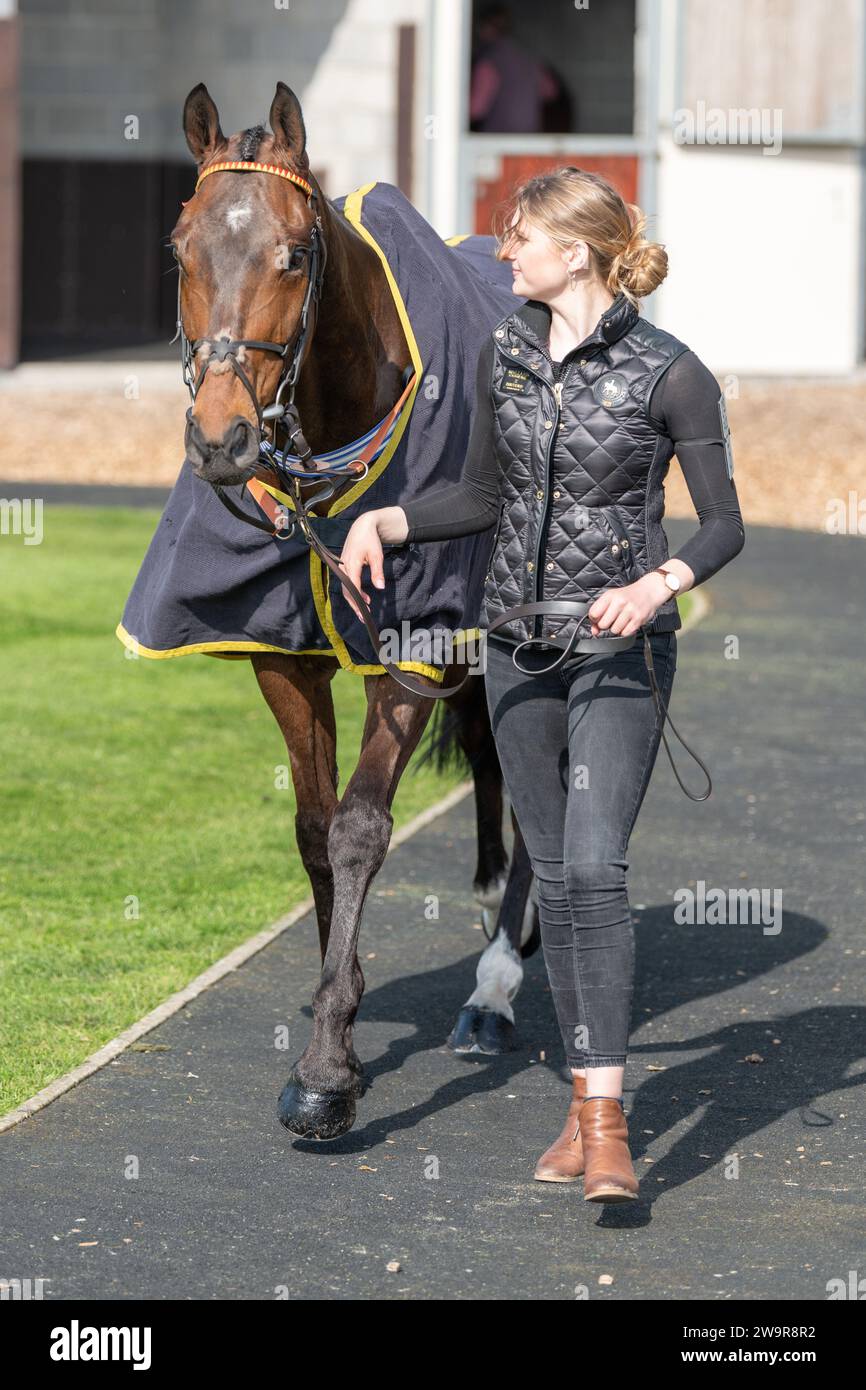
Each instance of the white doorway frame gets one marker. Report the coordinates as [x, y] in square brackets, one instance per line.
[454, 157]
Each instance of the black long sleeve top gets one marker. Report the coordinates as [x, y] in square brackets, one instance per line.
[685, 404]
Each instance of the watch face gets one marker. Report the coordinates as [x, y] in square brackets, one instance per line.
[672, 581]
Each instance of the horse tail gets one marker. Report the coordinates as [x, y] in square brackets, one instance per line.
[458, 735]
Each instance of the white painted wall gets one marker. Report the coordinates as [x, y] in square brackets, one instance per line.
[350, 101]
[764, 254]
[766, 251]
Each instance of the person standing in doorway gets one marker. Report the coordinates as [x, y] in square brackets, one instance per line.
[509, 87]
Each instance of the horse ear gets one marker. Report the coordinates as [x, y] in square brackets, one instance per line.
[287, 123]
[201, 124]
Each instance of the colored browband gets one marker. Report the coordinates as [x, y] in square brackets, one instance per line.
[233, 164]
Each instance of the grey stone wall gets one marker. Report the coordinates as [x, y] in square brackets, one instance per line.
[90, 65]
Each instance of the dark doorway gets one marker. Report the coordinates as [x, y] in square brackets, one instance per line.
[588, 52]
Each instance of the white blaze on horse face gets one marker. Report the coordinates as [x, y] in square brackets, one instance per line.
[238, 216]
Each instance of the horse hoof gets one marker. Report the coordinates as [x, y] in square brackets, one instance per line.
[315, 1114]
[494, 1033]
[462, 1037]
[481, 1031]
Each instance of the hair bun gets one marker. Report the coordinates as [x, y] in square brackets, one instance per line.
[641, 265]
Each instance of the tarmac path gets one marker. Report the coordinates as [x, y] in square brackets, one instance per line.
[744, 1089]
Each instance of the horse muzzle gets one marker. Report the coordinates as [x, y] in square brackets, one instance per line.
[227, 461]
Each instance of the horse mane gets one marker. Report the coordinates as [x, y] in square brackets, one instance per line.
[250, 140]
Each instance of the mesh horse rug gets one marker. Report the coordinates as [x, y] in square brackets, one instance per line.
[209, 583]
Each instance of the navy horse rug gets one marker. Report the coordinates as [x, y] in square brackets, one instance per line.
[211, 584]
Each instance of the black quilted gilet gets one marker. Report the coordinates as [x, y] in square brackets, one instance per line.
[581, 484]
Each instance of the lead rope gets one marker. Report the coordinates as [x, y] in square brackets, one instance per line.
[332, 561]
[662, 709]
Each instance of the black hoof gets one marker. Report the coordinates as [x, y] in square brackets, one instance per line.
[481, 1031]
[462, 1037]
[495, 1033]
[315, 1114]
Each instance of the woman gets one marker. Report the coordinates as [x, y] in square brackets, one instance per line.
[580, 405]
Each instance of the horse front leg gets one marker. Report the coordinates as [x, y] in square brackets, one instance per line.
[319, 1099]
[298, 693]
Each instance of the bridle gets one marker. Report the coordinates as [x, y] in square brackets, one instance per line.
[283, 408]
[290, 464]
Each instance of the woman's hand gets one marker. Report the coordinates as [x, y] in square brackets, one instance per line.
[362, 546]
[623, 611]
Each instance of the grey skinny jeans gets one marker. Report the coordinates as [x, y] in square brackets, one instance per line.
[577, 749]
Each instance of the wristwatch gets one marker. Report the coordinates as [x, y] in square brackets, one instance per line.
[672, 581]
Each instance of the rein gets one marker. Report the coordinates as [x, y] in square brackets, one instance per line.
[274, 463]
[588, 646]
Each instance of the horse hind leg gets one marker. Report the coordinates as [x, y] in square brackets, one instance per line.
[503, 890]
[460, 735]
[486, 1022]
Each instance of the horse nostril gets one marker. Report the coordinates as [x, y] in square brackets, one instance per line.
[241, 442]
[196, 447]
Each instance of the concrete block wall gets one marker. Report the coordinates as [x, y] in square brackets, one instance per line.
[87, 65]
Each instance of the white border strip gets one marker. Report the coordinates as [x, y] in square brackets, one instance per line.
[97, 1060]
[209, 977]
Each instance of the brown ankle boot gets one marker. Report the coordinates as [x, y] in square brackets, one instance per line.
[609, 1175]
[563, 1161]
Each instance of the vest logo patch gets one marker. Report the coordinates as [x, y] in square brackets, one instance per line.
[514, 379]
[611, 390]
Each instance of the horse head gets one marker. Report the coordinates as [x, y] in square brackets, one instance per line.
[250, 255]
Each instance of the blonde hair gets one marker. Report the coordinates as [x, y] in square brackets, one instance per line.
[571, 205]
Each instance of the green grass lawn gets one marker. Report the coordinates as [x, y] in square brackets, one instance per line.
[123, 779]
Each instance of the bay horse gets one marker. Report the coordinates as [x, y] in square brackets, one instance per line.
[237, 304]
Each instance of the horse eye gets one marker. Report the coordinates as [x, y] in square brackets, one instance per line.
[296, 259]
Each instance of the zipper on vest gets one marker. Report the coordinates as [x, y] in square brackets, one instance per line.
[557, 387]
[545, 512]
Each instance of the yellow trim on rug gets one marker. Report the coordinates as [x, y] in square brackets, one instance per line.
[319, 572]
[211, 648]
[455, 240]
[322, 601]
[352, 211]
[241, 650]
